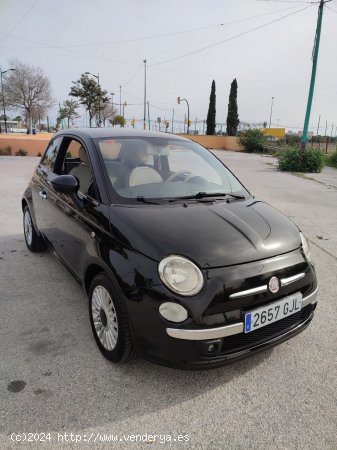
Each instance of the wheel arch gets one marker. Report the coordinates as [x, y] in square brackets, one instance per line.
[24, 203]
[91, 271]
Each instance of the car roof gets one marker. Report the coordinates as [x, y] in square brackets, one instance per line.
[115, 132]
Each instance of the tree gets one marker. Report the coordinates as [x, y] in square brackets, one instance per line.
[90, 95]
[211, 111]
[28, 89]
[118, 120]
[232, 116]
[107, 113]
[68, 111]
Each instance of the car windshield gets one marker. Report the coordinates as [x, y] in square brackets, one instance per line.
[164, 168]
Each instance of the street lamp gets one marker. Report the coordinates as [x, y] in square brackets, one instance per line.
[188, 111]
[99, 101]
[3, 97]
[271, 110]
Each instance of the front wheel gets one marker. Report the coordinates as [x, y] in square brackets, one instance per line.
[34, 242]
[109, 320]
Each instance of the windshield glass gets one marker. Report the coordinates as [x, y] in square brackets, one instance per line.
[152, 167]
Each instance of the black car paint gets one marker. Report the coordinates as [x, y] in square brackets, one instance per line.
[235, 243]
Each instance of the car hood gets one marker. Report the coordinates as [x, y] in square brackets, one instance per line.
[210, 234]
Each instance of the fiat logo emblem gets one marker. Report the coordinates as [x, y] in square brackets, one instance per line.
[274, 285]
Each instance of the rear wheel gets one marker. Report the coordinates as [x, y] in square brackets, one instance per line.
[109, 321]
[34, 242]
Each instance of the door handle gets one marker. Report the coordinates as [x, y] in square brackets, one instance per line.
[43, 194]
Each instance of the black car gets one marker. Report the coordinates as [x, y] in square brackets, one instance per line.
[179, 261]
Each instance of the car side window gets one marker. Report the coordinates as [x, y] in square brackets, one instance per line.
[49, 158]
[76, 163]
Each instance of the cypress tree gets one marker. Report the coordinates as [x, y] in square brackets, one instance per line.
[233, 117]
[211, 111]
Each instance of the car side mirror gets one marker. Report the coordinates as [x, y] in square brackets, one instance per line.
[66, 184]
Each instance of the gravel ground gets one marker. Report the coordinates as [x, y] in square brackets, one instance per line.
[54, 380]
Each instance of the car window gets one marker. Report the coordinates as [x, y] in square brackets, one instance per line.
[181, 159]
[49, 158]
[155, 167]
[76, 162]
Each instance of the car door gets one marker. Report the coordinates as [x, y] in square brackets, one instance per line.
[60, 219]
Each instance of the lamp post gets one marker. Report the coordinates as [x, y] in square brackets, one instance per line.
[3, 96]
[271, 111]
[99, 101]
[188, 111]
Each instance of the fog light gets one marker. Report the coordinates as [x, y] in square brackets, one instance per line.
[173, 312]
[211, 348]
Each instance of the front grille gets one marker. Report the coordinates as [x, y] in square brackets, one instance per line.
[243, 341]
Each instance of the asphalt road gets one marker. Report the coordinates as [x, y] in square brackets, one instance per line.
[54, 380]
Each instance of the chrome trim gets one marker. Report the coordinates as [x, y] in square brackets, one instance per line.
[311, 298]
[227, 330]
[256, 290]
[207, 333]
[286, 281]
[264, 288]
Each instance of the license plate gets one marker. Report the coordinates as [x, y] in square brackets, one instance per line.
[260, 317]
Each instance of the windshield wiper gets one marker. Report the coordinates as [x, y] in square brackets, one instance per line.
[200, 195]
[142, 199]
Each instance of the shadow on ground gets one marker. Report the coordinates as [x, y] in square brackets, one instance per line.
[52, 375]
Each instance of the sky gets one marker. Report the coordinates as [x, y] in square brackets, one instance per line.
[266, 45]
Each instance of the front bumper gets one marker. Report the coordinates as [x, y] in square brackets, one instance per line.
[225, 331]
[215, 317]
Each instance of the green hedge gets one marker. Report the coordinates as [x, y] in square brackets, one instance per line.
[331, 160]
[294, 160]
[252, 140]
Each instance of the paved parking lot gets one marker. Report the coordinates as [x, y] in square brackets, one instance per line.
[54, 380]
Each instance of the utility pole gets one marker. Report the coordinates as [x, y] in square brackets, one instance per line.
[313, 73]
[172, 120]
[319, 121]
[144, 94]
[271, 110]
[318, 140]
[120, 100]
[325, 135]
[148, 114]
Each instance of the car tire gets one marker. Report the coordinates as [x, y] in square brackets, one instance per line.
[34, 242]
[109, 320]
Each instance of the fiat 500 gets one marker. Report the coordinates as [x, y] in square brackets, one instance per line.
[179, 261]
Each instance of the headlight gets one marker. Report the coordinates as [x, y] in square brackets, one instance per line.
[180, 275]
[306, 248]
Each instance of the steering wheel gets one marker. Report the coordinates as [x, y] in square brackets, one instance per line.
[178, 174]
